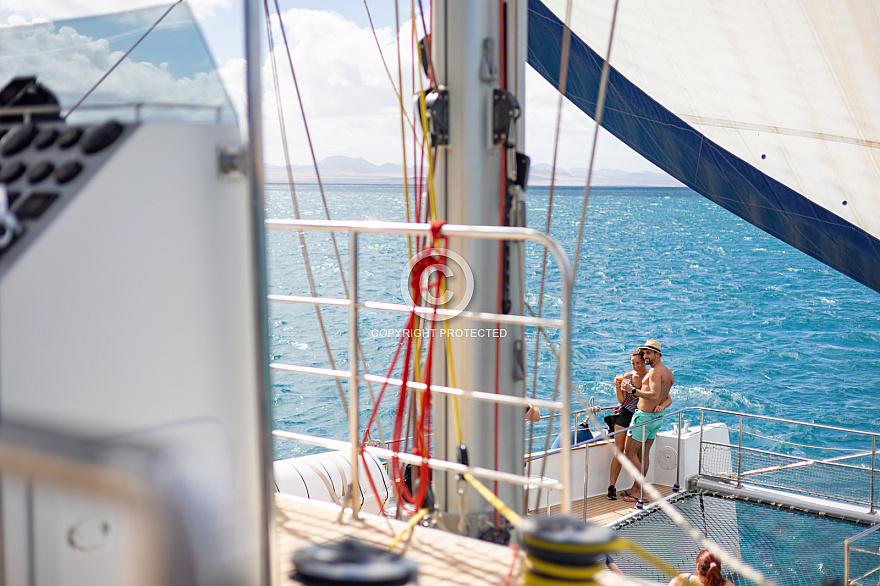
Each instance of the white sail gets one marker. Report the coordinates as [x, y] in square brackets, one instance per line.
[767, 108]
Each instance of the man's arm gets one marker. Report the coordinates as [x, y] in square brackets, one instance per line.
[662, 406]
[651, 388]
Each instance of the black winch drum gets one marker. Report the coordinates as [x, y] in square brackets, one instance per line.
[563, 550]
[351, 562]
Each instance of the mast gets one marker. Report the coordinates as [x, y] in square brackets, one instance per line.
[476, 64]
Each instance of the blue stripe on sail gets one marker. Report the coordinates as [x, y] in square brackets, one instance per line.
[680, 150]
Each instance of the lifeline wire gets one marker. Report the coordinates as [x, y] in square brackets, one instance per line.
[563, 76]
[600, 107]
[309, 140]
[384, 64]
[302, 237]
[313, 290]
[409, 243]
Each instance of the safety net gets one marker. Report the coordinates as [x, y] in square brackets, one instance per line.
[788, 545]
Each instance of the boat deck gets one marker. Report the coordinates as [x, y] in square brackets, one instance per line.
[600, 510]
[442, 558]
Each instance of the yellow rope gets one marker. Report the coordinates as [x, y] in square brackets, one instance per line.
[384, 63]
[412, 523]
[417, 353]
[578, 572]
[455, 417]
[493, 500]
[424, 117]
[646, 555]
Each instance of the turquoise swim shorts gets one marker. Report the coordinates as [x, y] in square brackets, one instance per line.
[651, 428]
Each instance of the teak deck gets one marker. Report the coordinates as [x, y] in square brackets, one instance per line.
[600, 510]
[442, 558]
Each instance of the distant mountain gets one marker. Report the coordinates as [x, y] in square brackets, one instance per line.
[340, 169]
[540, 174]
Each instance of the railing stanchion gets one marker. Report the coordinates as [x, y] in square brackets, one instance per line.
[739, 458]
[700, 460]
[873, 467]
[353, 423]
[847, 547]
[586, 472]
[641, 502]
[565, 379]
[677, 486]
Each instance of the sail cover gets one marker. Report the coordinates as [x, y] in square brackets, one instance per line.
[769, 109]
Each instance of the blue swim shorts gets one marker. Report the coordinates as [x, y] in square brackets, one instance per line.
[651, 428]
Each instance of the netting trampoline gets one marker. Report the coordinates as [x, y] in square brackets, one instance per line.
[788, 545]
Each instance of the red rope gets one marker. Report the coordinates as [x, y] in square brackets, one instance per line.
[509, 578]
[436, 226]
[384, 386]
[421, 445]
[422, 426]
[379, 500]
[404, 494]
[373, 414]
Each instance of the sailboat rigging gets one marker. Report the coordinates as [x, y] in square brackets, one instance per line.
[136, 213]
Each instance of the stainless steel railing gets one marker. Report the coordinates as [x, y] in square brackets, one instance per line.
[353, 376]
[834, 477]
[763, 454]
[849, 549]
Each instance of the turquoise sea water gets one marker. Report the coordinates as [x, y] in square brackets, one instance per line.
[747, 323]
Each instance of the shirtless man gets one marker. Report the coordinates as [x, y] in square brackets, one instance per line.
[654, 391]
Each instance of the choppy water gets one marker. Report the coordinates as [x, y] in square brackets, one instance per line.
[747, 323]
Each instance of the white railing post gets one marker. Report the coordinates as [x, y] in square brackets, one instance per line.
[873, 467]
[353, 415]
[739, 458]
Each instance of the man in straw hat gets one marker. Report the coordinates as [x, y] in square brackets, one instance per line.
[655, 390]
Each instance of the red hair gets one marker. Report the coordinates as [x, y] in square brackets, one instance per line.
[709, 569]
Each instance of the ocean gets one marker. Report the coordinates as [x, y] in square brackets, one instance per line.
[747, 323]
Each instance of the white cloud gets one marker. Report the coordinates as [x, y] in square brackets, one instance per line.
[77, 61]
[28, 10]
[232, 75]
[350, 103]
[353, 111]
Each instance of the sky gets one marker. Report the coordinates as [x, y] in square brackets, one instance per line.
[350, 103]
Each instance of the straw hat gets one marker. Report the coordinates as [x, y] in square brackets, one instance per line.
[652, 345]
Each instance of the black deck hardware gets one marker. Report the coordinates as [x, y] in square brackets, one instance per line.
[353, 563]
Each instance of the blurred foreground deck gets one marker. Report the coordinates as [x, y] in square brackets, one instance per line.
[442, 557]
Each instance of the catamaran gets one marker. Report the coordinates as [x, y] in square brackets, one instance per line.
[135, 410]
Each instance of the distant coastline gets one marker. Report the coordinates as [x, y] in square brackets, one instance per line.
[346, 170]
